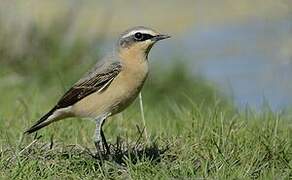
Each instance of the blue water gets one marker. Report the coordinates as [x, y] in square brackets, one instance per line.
[251, 61]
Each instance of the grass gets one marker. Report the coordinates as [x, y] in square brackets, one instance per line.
[194, 130]
[190, 138]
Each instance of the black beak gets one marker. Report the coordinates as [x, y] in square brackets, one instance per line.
[160, 37]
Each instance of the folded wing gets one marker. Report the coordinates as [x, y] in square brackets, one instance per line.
[96, 80]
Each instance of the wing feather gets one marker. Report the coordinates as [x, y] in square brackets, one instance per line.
[96, 80]
[91, 83]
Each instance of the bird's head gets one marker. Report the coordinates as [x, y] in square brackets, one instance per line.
[138, 41]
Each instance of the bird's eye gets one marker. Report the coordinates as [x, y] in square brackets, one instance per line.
[138, 36]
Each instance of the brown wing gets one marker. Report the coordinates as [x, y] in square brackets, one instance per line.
[94, 81]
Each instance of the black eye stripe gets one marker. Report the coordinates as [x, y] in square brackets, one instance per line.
[128, 41]
[144, 37]
[147, 36]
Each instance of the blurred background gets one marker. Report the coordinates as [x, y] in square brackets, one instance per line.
[240, 50]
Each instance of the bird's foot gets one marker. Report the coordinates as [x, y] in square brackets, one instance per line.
[98, 145]
[102, 151]
[99, 149]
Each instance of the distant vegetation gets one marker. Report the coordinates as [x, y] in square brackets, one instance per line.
[195, 131]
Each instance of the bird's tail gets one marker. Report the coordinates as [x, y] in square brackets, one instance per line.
[42, 122]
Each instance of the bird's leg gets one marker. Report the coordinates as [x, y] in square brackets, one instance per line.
[104, 142]
[97, 135]
[99, 139]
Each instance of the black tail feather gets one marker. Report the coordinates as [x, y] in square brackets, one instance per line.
[41, 122]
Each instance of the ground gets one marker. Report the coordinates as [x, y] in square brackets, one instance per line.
[194, 130]
[192, 134]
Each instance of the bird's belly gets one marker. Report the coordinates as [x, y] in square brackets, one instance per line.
[120, 94]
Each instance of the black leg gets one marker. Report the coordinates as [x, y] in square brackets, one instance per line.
[104, 142]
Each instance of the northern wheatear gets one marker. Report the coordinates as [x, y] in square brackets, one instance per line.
[111, 86]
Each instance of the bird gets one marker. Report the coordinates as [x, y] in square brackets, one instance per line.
[110, 86]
